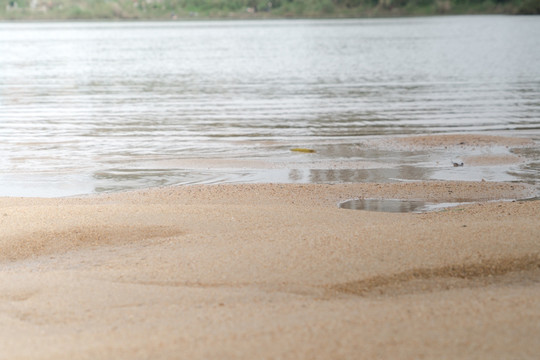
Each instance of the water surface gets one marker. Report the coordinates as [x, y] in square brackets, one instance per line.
[396, 205]
[90, 107]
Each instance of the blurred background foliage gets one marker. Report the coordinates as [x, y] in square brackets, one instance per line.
[239, 9]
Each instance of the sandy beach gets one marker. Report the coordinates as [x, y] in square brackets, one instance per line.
[289, 189]
[271, 271]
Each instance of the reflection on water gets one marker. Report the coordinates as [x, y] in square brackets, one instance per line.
[394, 205]
[102, 103]
[385, 205]
[368, 175]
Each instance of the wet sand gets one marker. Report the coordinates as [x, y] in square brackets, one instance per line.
[271, 271]
[459, 140]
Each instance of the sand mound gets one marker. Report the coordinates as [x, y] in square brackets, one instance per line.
[455, 140]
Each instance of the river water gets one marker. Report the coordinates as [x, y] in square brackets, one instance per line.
[88, 107]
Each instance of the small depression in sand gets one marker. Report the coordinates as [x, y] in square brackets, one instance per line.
[397, 205]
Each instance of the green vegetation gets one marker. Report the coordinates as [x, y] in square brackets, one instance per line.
[181, 9]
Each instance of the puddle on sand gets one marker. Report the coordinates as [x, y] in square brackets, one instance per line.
[395, 205]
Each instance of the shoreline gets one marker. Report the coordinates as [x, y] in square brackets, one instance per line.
[375, 159]
[270, 270]
[372, 13]
[232, 19]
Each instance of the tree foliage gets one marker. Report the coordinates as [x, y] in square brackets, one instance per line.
[175, 9]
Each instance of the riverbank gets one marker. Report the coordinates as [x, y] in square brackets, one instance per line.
[204, 10]
[271, 271]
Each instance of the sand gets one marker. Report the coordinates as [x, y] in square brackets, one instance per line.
[271, 271]
[458, 140]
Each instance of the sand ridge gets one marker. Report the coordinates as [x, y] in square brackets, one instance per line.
[459, 140]
[49, 225]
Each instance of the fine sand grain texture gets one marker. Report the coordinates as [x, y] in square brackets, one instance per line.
[271, 271]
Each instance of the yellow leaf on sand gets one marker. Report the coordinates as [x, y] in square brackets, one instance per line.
[303, 150]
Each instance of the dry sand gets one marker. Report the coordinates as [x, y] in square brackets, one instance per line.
[271, 271]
